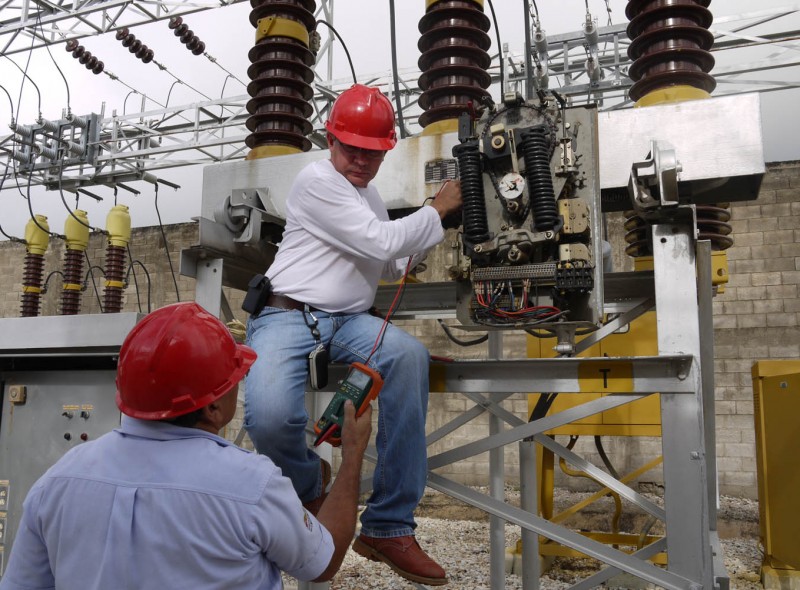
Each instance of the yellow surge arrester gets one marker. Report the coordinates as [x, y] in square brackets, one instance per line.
[36, 236]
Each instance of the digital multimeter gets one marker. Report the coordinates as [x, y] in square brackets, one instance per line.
[361, 385]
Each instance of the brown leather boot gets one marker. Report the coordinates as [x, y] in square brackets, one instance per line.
[314, 505]
[403, 555]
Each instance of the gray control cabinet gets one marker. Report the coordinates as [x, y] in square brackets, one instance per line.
[57, 378]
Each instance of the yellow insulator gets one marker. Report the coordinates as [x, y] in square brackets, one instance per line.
[441, 127]
[118, 225]
[268, 151]
[37, 236]
[672, 95]
[77, 232]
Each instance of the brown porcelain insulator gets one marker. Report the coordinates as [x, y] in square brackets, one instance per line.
[712, 224]
[32, 285]
[454, 59]
[114, 272]
[670, 45]
[280, 74]
[134, 45]
[73, 271]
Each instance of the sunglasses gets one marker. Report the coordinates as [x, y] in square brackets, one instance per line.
[352, 151]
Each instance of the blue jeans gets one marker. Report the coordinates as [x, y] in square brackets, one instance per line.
[276, 418]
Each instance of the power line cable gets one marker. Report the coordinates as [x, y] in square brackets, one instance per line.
[395, 77]
[2, 182]
[90, 273]
[10, 101]
[166, 244]
[499, 50]
[344, 46]
[25, 74]
[30, 211]
[47, 46]
[64, 200]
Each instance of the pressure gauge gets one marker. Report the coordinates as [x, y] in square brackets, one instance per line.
[511, 185]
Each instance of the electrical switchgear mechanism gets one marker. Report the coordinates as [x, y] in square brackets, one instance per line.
[531, 219]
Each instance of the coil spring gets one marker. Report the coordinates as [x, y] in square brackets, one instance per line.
[115, 271]
[280, 77]
[670, 44]
[73, 269]
[535, 146]
[476, 226]
[454, 59]
[32, 277]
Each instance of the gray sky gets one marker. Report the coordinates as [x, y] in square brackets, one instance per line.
[364, 26]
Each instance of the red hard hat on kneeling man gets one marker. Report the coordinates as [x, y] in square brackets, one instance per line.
[178, 359]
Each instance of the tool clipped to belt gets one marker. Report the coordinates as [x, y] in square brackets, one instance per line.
[258, 291]
[259, 295]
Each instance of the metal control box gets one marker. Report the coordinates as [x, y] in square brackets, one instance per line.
[57, 380]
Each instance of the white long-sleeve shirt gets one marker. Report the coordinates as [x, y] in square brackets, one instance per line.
[339, 242]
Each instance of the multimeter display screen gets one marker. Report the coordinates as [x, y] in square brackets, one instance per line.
[358, 379]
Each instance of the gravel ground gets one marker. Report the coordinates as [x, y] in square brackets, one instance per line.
[461, 546]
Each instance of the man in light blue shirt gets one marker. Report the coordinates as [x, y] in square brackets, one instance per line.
[162, 501]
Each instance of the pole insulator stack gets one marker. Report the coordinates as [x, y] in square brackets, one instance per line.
[454, 60]
[280, 74]
[76, 230]
[118, 225]
[37, 238]
[670, 44]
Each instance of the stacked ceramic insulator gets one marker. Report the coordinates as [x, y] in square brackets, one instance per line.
[670, 44]
[135, 46]
[32, 284]
[85, 57]
[186, 35]
[454, 59]
[280, 77]
[115, 274]
[71, 292]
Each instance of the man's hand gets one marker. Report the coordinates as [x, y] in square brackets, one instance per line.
[448, 199]
[355, 431]
[338, 511]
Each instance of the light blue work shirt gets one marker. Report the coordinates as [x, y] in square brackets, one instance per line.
[152, 506]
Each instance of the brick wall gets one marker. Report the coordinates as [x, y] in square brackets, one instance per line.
[755, 318]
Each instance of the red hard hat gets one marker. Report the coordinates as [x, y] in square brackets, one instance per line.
[363, 117]
[178, 359]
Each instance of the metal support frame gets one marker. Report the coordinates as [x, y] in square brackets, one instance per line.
[210, 131]
[677, 373]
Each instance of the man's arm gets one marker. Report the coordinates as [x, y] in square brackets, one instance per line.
[338, 512]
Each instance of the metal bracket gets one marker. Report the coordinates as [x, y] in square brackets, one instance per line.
[243, 213]
[653, 182]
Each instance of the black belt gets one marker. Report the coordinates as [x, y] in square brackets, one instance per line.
[285, 302]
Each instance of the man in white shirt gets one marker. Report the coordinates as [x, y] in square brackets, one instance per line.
[337, 244]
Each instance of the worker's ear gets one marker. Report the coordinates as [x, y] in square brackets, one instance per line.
[212, 415]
